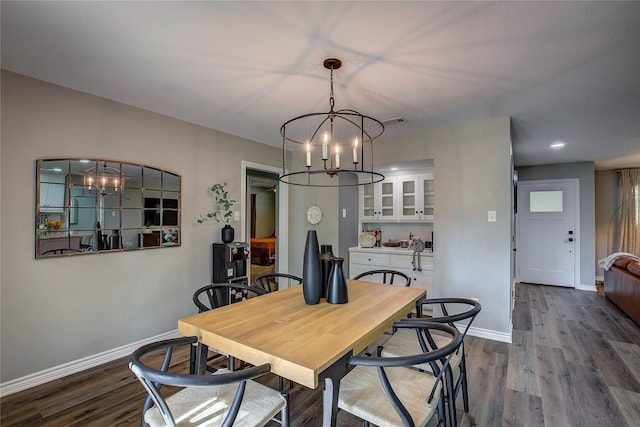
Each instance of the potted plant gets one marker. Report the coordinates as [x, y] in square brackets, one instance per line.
[221, 211]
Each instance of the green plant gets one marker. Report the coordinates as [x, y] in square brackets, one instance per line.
[221, 206]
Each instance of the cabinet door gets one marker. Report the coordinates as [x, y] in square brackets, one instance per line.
[410, 198]
[426, 184]
[387, 200]
[367, 202]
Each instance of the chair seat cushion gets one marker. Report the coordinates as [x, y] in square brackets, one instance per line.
[195, 406]
[362, 395]
[405, 342]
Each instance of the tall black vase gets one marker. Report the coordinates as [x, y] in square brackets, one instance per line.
[227, 233]
[337, 287]
[311, 270]
[325, 259]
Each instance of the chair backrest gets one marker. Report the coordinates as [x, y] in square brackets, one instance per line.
[152, 377]
[453, 310]
[390, 277]
[218, 294]
[438, 358]
[271, 281]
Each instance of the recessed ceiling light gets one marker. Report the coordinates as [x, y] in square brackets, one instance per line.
[557, 145]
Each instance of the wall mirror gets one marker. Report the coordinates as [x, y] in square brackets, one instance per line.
[86, 206]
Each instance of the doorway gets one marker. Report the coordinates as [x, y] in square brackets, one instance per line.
[547, 232]
[264, 218]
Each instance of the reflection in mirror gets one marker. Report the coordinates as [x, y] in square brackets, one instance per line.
[91, 206]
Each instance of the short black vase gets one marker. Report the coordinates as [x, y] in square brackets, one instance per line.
[337, 287]
[227, 233]
[311, 270]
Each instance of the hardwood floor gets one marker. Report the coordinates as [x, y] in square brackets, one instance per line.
[574, 361]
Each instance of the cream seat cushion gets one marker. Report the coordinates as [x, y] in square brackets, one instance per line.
[362, 395]
[405, 342]
[200, 406]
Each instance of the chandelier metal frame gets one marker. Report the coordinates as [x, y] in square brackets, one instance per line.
[105, 180]
[327, 135]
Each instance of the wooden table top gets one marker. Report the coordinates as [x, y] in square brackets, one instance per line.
[300, 341]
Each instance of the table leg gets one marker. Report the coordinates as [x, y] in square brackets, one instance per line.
[202, 352]
[332, 376]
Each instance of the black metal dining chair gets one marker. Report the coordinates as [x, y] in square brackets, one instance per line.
[272, 281]
[454, 310]
[214, 296]
[390, 277]
[223, 399]
[387, 391]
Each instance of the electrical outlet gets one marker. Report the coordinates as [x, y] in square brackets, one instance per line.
[236, 216]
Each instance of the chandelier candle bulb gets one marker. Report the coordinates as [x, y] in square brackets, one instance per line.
[325, 146]
[337, 156]
[308, 155]
[355, 151]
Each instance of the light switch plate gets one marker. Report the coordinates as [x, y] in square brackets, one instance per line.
[236, 216]
[491, 217]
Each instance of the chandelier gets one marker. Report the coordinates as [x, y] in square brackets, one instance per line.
[329, 144]
[105, 180]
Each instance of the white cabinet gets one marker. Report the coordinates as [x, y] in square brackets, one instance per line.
[365, 259]
[415, 198]
[398, 198]
[378, 201]
[52, 193]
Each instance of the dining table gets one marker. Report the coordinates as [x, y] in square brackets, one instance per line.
[308, 344]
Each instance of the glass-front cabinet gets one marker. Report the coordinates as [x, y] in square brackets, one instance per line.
[91, 206]
[400, 198]
[378, 201]
[416, 197]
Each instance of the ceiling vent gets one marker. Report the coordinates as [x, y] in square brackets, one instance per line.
[395, 121]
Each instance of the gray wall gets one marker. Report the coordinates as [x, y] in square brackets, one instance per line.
[55, 311]
[585, 173]
[347, 226]
[472, 175]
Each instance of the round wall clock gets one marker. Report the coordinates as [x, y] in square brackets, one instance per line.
[314, 215]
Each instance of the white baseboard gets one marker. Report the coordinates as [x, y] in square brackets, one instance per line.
[591, 288]
[490, 335]
[56, 372]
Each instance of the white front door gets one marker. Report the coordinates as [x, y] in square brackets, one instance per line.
[546, 232]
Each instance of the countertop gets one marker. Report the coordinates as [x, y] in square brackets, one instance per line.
[389, 250]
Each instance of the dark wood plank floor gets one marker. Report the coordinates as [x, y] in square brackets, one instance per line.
[574, 361]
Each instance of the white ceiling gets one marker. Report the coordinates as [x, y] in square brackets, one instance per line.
[566, 71]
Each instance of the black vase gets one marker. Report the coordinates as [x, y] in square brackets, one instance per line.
[325, 259]
[311, 270]
[227, 233]
[337, 287]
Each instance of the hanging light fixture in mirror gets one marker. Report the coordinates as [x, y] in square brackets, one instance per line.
[329, 144]
[106, 180]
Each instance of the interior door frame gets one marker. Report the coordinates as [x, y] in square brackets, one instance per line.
[576, 223]
[282, 242]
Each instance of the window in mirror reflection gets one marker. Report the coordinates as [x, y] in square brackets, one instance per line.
[91, 206]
